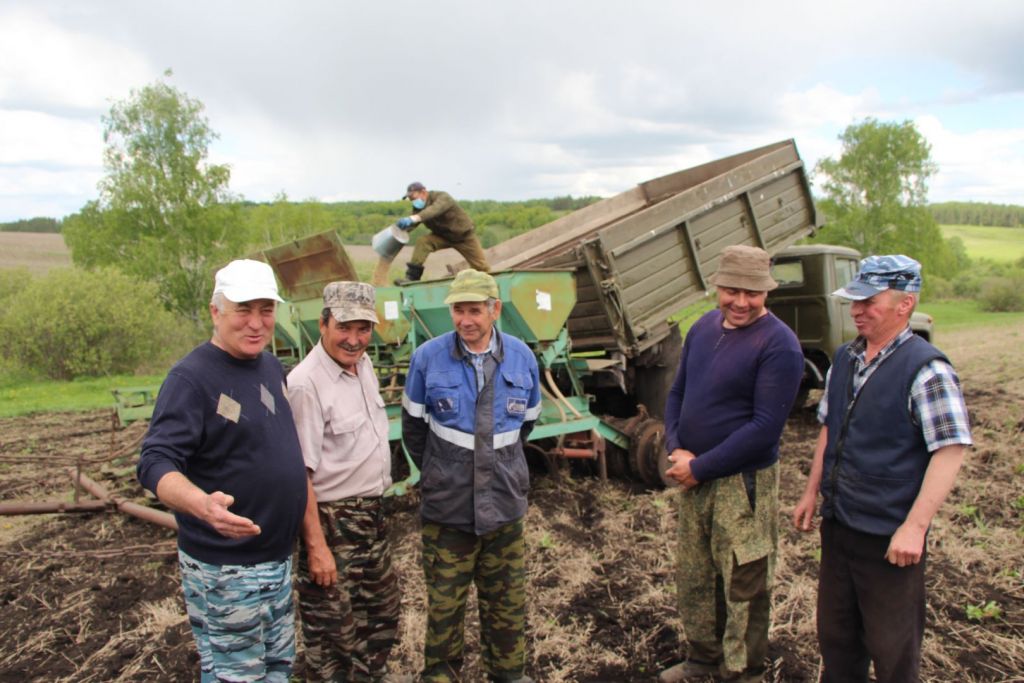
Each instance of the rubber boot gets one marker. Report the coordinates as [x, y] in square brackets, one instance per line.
[413, 272]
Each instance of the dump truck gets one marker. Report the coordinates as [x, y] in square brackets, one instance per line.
[593, 294]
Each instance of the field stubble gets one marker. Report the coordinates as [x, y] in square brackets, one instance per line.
[96, 597]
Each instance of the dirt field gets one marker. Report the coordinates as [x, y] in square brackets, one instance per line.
[96, 598]
[37, 251]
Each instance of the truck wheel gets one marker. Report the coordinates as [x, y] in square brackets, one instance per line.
[648, 458]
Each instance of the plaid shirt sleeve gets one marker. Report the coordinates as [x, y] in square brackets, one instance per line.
[937, 404]
[823, 403]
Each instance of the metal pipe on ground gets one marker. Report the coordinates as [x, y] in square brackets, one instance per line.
[588, 453]
[47, 506]
[134, 509]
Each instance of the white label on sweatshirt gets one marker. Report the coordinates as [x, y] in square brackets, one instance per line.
[229, 408]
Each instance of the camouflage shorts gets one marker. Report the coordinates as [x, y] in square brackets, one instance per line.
[495, 562]
[242, 619]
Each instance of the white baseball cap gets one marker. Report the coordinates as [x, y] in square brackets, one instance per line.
[246, 280]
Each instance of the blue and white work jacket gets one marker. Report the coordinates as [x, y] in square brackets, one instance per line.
[468, 442]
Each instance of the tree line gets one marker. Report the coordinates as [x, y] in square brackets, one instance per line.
[356, 222]
[978, 213]
[37, 224]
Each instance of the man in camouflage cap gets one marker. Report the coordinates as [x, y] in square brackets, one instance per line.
[471, 398]
[894, 430]
[348, 591]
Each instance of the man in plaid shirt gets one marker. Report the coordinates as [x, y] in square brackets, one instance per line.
[894, 431]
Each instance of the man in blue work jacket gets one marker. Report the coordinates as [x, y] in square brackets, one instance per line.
[471, 398]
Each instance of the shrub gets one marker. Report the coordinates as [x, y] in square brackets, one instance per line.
[936, 288]
[13, 281]
[73, 323]
[967, 285]
[1000, 294]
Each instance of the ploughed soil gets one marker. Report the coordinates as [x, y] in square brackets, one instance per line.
[95, 596]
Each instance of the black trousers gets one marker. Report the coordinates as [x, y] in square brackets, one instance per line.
[868, 609]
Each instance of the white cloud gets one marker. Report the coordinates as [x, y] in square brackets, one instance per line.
[38, 137]
[982, 165]
[45, 65]
[352, 101]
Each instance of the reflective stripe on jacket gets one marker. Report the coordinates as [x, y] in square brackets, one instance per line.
[469, 443]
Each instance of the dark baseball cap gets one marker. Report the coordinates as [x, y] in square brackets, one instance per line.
[413, 187]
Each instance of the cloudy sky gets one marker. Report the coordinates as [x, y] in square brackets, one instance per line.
[338, 99]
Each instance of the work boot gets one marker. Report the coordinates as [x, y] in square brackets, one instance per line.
[688, 670]
[413, 272]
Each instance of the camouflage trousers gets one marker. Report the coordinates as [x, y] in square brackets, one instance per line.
[242, 618]
[349, 628]
[495, 562]
[470, 248]
[725, 568]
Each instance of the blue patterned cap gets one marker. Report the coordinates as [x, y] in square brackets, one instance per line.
[879, 273]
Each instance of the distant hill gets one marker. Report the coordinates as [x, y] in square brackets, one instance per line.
[1004, 245]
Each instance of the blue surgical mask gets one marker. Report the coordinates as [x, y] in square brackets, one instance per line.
[418, 204]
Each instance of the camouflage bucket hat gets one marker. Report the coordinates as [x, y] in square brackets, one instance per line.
[744, 267]
[879, 273]
[472, 285]
[351, 301]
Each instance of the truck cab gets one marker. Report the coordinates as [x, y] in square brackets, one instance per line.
[807, 276]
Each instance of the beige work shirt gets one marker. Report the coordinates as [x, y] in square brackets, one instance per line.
[342, 427]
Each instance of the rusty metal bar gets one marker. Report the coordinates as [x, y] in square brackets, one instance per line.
[48, 506]
[574, 452]
[134, 509]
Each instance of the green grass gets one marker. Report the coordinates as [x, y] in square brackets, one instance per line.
[985, 242]
[22, 395]
[960, 313]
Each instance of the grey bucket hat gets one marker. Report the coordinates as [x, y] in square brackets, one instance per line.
[744, 267]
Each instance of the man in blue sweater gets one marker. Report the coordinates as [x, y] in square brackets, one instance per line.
[222, 436]
[737, 379]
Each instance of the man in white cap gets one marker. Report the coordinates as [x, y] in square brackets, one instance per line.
[222, 436]
[348, 591]
[894, 430]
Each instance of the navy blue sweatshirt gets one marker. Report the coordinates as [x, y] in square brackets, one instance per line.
[732, 394]
[225, 424]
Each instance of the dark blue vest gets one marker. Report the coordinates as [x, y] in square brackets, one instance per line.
[876, 455]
